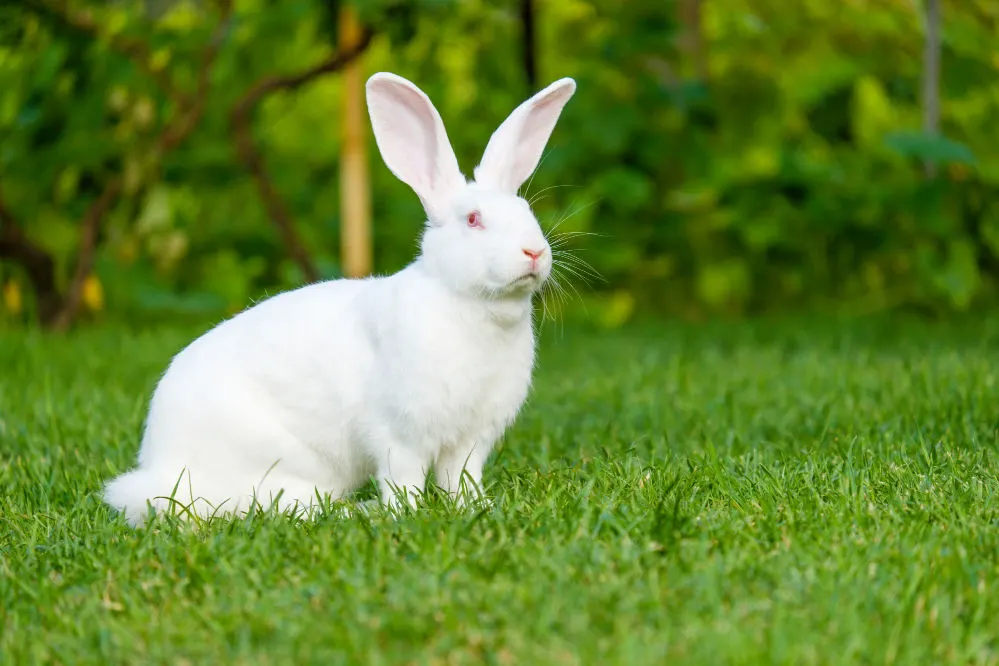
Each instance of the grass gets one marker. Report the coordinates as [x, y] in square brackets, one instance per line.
[756, 493]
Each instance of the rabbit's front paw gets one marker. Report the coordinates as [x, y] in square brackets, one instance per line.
[401, 478]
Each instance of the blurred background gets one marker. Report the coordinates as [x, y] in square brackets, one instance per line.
[174, 159]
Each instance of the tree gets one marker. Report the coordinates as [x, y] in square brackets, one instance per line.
[931, 76]
[58, 308]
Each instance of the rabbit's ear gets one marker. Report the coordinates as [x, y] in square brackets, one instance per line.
[412, 140]
[515, 148]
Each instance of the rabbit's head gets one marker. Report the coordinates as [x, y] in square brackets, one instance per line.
[481, 238]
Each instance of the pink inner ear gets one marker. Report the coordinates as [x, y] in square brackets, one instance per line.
[538, 126]
[412, 140]
[406, 133]
[516, 147]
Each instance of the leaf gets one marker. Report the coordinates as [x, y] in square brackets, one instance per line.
[761, 161]
[960, 278]
[160, 59]
[153, 299]
[724, 282]
[929, 148]
[115, 21]
[872, 112]
[631, 189]
[13, 300]
[168, 248]
[180, 17]
[157, 213]
[231, 276]
[118, 98]
[144, 112]
[67, 184]
[93, 294]
[616, 308]
[990, 232]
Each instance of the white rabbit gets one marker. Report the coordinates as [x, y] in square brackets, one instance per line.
[318, 389]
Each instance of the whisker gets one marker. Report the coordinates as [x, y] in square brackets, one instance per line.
[563, 244]
[582, 277]
[561, 292]
[575, 234]
[532, 200]
[572, 213]
[575, 291]
[568, 269]
[530, 180]
[568, 259]
[572, 255]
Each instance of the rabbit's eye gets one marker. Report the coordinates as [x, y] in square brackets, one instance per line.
[475, 219]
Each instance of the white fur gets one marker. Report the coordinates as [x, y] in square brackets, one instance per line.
[316, 390]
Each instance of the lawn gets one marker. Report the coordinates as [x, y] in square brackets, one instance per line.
[773, 493]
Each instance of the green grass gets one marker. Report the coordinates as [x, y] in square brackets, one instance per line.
[770, 493]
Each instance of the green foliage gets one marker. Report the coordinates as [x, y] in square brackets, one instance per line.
[789, 175]
[797, 494]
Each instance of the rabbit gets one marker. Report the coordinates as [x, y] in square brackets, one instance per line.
[314, 391]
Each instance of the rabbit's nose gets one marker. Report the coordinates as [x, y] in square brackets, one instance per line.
[534, 254]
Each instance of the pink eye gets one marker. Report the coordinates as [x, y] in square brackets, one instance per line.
[475, 219]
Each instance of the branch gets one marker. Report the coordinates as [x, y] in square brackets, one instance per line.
[175, 135]
[333, 63]
[85, 259]
[36, 262]
[241, 120]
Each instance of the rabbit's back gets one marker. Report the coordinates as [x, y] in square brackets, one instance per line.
[265, 400]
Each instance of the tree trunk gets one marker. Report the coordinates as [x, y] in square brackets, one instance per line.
[250, 155]
[355, 190]
[529, 52]
[38, 265]
[692, 37]
[931, 77]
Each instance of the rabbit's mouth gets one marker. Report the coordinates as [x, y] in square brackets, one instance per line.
[526, 283]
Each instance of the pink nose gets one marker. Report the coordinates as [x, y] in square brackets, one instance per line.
[534, 254]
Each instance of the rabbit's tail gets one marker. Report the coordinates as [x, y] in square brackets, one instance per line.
[134, 492]
[171, 491]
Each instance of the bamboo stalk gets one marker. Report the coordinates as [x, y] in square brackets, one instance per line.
[355, 191]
